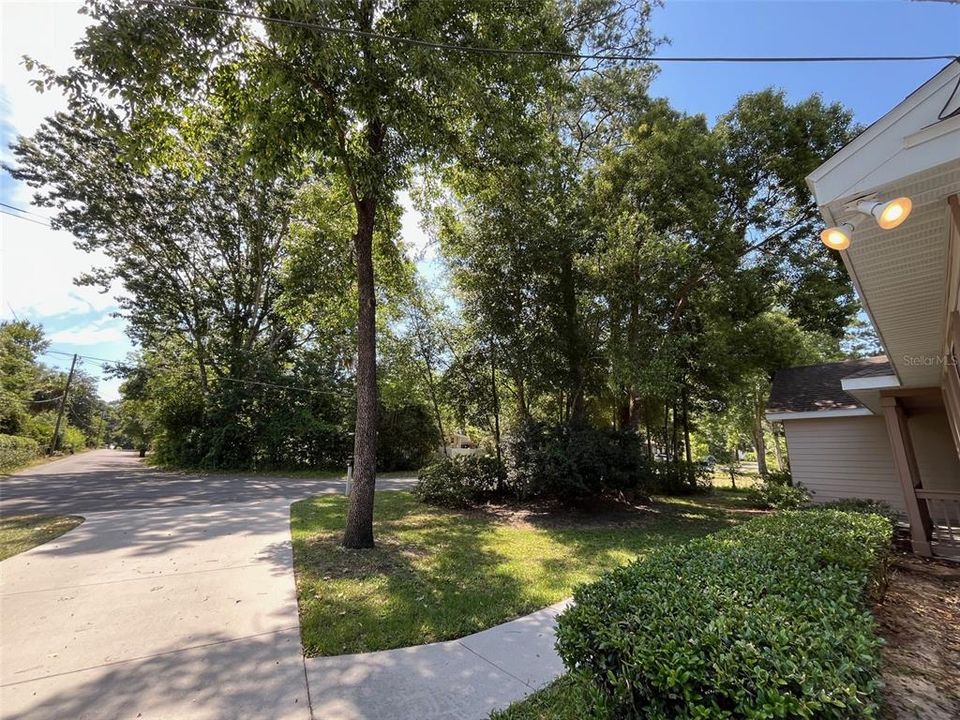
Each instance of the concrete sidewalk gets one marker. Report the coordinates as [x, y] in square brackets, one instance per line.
[462, 679]
[175, 599]
[175, 612]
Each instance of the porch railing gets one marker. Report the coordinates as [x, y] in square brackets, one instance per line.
[943, 507]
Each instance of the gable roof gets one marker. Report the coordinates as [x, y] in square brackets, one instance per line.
[817, 388]
[919, 133]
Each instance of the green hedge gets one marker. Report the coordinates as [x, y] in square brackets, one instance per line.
[459, 481]
[16, 451]
[769, 493]
[765, 620]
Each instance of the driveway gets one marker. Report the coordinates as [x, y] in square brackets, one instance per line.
[174, 599]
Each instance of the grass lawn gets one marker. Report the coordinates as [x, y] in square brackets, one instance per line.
[566, 698]
[19, 533]
[441, 574]
[721, 479]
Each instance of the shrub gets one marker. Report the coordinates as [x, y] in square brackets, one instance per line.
[678, 477]
[40, 428]
[407, 437]
[771, 494]
[780, 477]
[764, 620]
[861, 505]
[458, 482]
[568, 462]
[16, 451]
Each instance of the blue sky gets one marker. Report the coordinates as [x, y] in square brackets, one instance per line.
[38, 264]
[877, 27]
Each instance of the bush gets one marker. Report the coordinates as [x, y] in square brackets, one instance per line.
[771, 494]
[40, 428]
[780, 477]
[678, 477]
[16, 451]
[568, 462]
[764, 620]
[407, 437]
[458, 482]
[861, 505]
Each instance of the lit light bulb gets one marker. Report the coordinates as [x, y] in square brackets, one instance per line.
[894, 212]
[837, 238]
[888, 214]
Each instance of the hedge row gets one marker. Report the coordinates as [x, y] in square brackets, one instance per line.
[765, 620]
[459, 482]
[16, 451]
[561, 462]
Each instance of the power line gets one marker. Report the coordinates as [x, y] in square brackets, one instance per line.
[28, 219]
[227, 379]
[560, 54]
[25, 212]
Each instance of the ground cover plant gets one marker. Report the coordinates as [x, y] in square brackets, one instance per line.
[768, 619]
[19, 533]
[16, 451]
[438, 574]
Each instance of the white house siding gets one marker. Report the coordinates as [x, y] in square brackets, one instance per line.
[847, 457]
[936, 456]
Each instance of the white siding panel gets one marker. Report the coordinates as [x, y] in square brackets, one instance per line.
[843, 458]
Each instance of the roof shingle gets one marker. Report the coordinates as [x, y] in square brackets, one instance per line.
[817, 387]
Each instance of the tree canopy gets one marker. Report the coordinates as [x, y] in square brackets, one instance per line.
[614, 262]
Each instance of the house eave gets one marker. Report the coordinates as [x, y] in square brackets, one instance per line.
[818, 414]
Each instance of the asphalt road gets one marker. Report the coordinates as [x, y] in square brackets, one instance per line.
[105, 480]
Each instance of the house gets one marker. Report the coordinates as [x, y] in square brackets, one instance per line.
[889, 427]
[456, 444]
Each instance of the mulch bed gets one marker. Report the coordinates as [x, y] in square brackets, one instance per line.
[919, 618]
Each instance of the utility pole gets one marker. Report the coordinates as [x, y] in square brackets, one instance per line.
[100, 429]
[63, 401]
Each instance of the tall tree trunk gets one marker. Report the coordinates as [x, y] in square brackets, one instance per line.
[777, 450]
[520, 392]
[646, 428]
[758, 439]
[427, 352]
[623, 409]
[636, 411]
[359, 531]
[576, 402]
[686, 427]
[666, 430]
[674, 438]
[496, 416]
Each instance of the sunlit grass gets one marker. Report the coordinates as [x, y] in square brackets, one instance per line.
[19, 533]
[441, 574]
[741, 481]
[566, 698]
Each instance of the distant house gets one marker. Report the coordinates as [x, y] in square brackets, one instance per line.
[456, 444]
[889, 427]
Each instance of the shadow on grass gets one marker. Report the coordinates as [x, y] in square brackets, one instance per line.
[434, 575]
[440, 574]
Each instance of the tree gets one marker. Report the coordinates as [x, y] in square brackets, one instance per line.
[21, 343]
[348, 99]
[197, 249]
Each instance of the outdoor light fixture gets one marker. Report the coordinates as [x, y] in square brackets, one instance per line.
[888, 214]
[838, 238]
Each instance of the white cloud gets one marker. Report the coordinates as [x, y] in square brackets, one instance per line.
[37, 264]
[98, 332]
